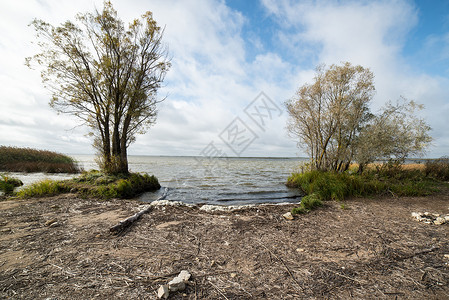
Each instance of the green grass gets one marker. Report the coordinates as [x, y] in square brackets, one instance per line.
[322, 186]
[43, 188]
[308, 203]
[94, 184]
[13, 159]
[8, 184]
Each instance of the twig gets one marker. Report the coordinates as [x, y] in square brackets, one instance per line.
[196, 295]
[213, 274]
[122, 225]
[118, 266]
[425, 251]
[285, 265]
[221, 293]
[344, 276]
[394, 293]
[143, 275]
[70, 273]
[393, 194]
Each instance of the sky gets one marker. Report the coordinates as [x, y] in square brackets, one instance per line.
[234, 64]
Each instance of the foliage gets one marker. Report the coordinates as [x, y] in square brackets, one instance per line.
[391, 179]
[95, 184]
[333, 122]
[393, 135]
[105, 74]
[13, 159]
[308, 203]
[327, 115]
[438, 168]
[8, 184]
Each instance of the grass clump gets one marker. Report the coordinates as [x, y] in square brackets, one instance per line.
[43, 188]
[95, 184]
[8, 184]
[308, 203]
[13, 159]
[388, 179]
[438, 168]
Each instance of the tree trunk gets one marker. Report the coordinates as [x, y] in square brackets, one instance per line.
[123, 145]
[106, 147]
[116, 136]
[123, 157]
[361, 168]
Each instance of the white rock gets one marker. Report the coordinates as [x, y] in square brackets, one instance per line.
[184, 275]
[416, 215]
[163, 292]
[179, 282]
[446, 218]
[439, 221]
[169, 203]
[176, 284]
[288, 216]
[209, 208]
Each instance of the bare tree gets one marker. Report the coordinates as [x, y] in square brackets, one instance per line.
[105, 74]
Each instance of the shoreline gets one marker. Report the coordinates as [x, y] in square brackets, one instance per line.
[61, 247]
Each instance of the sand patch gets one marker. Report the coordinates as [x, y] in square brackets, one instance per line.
[112, 217]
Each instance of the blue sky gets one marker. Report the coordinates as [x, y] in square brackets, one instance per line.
[224, 54]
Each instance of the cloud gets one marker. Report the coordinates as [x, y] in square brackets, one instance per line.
[213, 78]
[372, 34]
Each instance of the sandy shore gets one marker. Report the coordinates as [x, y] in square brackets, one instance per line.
[61, 248]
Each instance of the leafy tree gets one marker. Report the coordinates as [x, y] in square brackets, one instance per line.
[333, 122]
[105, 74]
[393, 135]
[327, 115]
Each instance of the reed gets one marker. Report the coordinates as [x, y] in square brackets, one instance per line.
[389, 180]
[14, 159]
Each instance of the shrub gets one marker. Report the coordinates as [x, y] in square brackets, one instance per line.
[8, 184]
[327, 185]
[322, 186]
[96, 184]
[308, 203]
[438, 168]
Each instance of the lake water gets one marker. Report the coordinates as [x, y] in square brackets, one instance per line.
[225, 181]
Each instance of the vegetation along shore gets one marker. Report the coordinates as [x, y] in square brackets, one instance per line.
[14, 159]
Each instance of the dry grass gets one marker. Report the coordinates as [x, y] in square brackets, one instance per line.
[407, 167]
[13, 159]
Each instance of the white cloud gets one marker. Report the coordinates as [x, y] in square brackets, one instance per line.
[372, 34]
[211, 80]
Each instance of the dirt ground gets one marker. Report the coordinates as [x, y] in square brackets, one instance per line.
[61, 248]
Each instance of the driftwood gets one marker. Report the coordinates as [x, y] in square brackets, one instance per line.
[122, 225]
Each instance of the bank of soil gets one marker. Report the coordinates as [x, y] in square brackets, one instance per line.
[61, 248]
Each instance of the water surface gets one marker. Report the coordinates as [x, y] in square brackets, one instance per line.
[214, 181]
